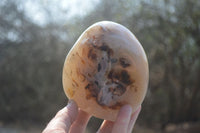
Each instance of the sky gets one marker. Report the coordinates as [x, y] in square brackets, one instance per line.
[39, 11]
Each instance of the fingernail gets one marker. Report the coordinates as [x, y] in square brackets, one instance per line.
[124, 114]
[127, 108]
[138, 109]
[71, 102]
[136, 114]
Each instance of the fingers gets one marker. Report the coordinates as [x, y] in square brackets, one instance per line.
[80, 123]
[63, 120]
[123, 118]
[134, 117]
[106, 127]
[69, 118]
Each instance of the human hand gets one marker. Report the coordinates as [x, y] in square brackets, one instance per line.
[73, 120]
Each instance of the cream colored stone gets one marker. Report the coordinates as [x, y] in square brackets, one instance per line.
[105, 69]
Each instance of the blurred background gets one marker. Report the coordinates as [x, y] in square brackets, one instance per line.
[35, 37]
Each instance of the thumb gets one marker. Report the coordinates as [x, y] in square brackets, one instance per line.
[63, 119]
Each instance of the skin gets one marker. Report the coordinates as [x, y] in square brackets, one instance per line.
[70, 119]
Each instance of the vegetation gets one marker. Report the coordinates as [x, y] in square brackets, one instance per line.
[32, 57]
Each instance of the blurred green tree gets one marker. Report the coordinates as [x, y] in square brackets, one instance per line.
[31, 60]
[32, 56]
[170, 33]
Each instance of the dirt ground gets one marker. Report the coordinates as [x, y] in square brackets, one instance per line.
[171, 128]
[14, 129]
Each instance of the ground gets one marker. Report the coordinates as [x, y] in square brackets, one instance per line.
[171, 128]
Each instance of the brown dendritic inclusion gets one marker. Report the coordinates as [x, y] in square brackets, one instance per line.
[110, 80]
